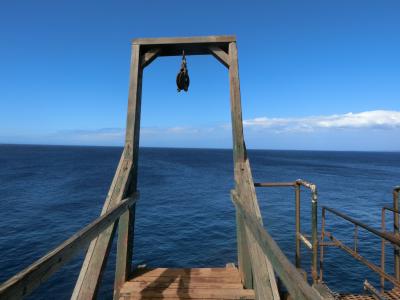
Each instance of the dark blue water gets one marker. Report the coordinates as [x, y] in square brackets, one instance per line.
[185, 216]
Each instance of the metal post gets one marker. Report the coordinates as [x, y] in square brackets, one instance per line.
[383, 249]
[355, 238]
[298, 244]
[314, 233]
[321, 259]
[396, 232]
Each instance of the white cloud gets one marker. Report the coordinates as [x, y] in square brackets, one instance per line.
[369, 130]
[383, 119]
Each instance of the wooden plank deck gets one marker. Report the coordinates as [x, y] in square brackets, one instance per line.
[194, 283]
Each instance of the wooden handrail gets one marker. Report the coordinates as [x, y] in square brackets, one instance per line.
[30, 278]
[296, 285]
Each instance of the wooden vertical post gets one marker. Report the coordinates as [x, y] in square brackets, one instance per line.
[124, 184]
[126, 221]
[238, 156]
[244, 262]
[261, 269]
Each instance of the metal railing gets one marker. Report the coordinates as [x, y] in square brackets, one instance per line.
[383, 244]
[300, 237]
[395, 210]
[385, 236]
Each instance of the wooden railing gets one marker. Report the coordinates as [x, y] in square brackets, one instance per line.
[26, 281]
[296, 285]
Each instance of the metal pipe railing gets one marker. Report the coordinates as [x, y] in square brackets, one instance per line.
[388, 237]
[374, 293]
[314, 224]
[275, 184]
[396, 253]
[354, 252]
[383, 242]
[313, 244]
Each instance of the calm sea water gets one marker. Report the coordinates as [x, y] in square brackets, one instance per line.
[185, 216]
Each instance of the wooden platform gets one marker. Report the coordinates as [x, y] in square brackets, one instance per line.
[195, 283]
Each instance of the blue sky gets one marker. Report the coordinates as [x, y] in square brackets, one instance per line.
[314, 74]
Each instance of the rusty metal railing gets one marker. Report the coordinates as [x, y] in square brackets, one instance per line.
[383, 243]
[385, 236]
[396, 191]
[300, 237]
[395, 210]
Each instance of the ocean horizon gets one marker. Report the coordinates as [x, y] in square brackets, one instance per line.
[206, 148]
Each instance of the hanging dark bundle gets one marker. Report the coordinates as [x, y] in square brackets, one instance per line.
[182, 79]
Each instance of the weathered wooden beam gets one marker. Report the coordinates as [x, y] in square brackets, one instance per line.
[244, 261]
[262, 273]
[220, 55]
[185, 40]
[265, 285]
[236, 107]
[134, 100]
[294, 282]
[126, 223]
[23, 283]
[148, 57]
[96, 257]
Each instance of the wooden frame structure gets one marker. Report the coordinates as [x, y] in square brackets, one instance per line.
[258, 255]
[145, 51]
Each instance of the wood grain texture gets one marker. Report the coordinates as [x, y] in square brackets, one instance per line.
[149, 56]
[185, 40]
[196, 283]
[26, 281]
[220, 55]
[126, 223]
[97, 254]
[293, 280]
[244, 261]
[262, 273]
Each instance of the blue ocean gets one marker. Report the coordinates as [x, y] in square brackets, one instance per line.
[185, 216]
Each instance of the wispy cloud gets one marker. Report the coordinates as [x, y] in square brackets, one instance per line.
[373, 130]
[382, 119]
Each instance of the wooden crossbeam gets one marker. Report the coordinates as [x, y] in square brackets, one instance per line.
[191, 45]
[185, 40]
[220, 55]
[148, 57]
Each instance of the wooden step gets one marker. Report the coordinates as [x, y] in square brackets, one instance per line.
[195, 283]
